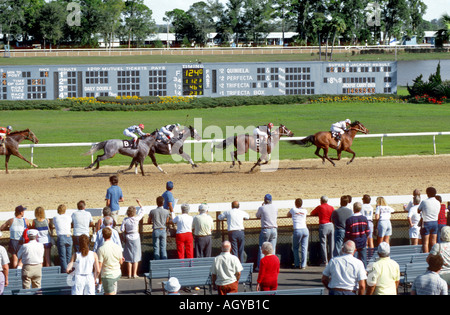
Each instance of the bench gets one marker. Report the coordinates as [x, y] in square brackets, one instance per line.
[45, 270]
[304, 291]
[247, 276]
[159, 269]
[199, 276]
[412, 271]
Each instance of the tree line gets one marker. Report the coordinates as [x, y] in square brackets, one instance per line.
[317, 22]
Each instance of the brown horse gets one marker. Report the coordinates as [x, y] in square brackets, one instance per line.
[324, 140]
[244, 142]
[12, 145]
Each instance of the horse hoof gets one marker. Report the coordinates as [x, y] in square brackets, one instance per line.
[194, 165]
[34, 165]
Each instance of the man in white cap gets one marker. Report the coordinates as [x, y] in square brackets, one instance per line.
[338, 129]
[32, 256]
[202, 225]
[172, 286]
[383, 275]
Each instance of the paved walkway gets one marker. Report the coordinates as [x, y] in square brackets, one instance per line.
[287, 279]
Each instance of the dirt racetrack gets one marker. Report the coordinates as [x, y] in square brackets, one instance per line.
[216, 182]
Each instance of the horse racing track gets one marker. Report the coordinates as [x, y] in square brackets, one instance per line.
[216, 182]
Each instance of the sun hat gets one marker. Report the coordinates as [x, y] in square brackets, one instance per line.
[172, 285]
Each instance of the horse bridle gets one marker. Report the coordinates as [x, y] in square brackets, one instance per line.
[284, 131]
[358, 128]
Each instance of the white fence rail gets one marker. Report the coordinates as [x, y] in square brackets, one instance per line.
[212, 141]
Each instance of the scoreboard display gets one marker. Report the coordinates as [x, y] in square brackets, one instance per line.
[197, 79]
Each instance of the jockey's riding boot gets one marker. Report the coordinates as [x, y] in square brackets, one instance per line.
[134, 144]
[338, 139]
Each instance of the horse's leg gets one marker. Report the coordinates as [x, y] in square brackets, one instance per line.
[325, 155]
[152, 156]
[188, 158]
[338, 155]
[16, 153]
[351, 152]
[318, 154]
[133, 163]
[141, 163]
[6, 163]
[258, 163]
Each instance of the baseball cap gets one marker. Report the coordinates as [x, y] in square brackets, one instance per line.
[268, 197]
[33, 232]
[203, 207]
[384, 249]
[169, 185]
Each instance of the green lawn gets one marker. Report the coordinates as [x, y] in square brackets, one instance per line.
[207, 58]
[302, 119]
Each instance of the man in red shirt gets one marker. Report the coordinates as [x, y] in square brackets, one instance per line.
[326, 228]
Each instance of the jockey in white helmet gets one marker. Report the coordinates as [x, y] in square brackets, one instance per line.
[170, 131]
[338, 129]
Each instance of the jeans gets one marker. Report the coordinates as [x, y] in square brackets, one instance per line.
[159, 237]
[300, 242]
[326, 237]
[339, 235]
[237, 240]
[361, 254]
[64, 245]
[267, 235]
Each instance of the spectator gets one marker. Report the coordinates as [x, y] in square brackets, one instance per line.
[442, 218]
[269, 268]
[345, 274]
[31, 255]
[16, 227]
[202, 225]
[110, 260]
[81, 221]
[184, 238]
[357, 230]
[383, 275]
[383, 215]
[430, 283]
[301, 234]
[159, 218]
[106, 212]
[408, 206]
[86, 268]
[114, 195]
[235, 219]
[326, 229]
[41, 224]
[4, 263]
[226, 271]
[338, 217]
[429, 208]
[172, 286]
[115, 237]
[169, 200]
[268, 214]
[413, 220]
[62, 223]
[367, 211]
[443, 249]
[132, 251]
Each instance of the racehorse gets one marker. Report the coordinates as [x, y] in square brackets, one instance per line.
[324, 140]
[244, 142]
[12, 145]
[124, 147]
[164, 148]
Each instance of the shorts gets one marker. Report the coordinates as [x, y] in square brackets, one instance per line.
[14, 246]
[370, 229]
[414, 232]
[430, 227]
[110, 285]
[384, 228]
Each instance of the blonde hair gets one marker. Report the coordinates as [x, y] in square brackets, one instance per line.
[39, 213]
[62, 209]
[381, 201]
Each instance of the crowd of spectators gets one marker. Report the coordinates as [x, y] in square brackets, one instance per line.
[345, 235]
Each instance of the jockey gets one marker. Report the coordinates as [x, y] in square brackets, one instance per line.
[264, 131]
[170, 130]
[338, 129]
[131, 132]
[3, 133]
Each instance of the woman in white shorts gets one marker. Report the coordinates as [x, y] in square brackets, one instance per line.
[414, 219]
[383, 215]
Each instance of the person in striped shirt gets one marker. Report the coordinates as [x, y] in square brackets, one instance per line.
[357, 230]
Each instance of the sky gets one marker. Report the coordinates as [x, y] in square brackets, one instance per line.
[159, 7]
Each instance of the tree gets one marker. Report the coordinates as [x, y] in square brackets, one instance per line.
[138, 21]
[281, 10]
[51, 19]
[338, 26]
[256, 18]
[443, 34]
[12, 15]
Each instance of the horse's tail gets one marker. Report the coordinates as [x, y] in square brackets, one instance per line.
[305, 142]
[95, 148]
[225, 143]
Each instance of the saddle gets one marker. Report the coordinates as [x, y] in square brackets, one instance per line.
[258, 143]
[128, 144]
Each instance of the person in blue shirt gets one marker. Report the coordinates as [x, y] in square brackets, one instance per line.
[114, 195]
[169, 200]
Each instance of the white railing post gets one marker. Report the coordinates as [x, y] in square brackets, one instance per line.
[434, 144]
[382, 145]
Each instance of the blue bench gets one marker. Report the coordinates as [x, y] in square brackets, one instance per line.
[48, 281]
[45, 270]
[304, 291]
[412, 271]
[159, 269]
